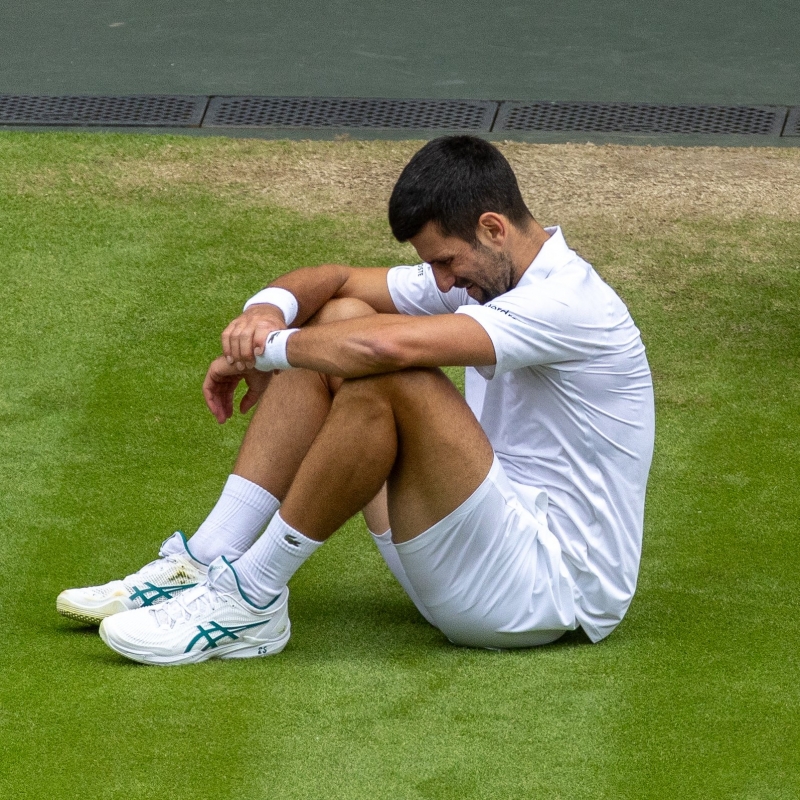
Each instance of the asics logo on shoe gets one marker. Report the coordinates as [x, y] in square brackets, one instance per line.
[152, 593]
[293, 540]
[216, 632]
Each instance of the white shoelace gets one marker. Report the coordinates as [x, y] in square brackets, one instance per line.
[182, 607]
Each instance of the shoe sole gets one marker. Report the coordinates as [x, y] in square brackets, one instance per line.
[67, 609]
[241, 649]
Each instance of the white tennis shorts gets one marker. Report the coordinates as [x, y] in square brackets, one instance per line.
[490, 574]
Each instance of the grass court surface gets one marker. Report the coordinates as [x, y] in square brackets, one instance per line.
[123, 258]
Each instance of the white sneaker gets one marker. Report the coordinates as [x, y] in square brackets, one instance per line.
[174, 571]
[213, 620]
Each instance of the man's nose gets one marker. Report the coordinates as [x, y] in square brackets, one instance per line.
[444, 279]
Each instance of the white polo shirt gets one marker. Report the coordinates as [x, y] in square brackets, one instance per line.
[568, 409]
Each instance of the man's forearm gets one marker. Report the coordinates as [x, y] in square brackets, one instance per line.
[387, 343]
[347, 348]
[244, 339]
[295, 298]
[314, 286]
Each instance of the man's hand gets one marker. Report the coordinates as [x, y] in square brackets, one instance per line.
[221, 381]
[244, 338]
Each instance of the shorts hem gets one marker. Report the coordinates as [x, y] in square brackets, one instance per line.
[412, 545]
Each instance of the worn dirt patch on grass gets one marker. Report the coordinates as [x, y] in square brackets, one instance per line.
[561, 183]
[629, 187]
[602, 194]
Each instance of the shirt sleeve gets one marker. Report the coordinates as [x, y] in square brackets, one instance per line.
[530, 328]
[414, 292]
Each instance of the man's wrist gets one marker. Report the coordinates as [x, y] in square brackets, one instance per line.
[274, 295]
[274, 355]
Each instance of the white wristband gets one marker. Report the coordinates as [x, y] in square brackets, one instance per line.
[274, 295]
[274, 355]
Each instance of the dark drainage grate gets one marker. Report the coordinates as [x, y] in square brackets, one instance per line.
[639, 118]
[156, 110]
[182, 111]
[340, 112]
[793, 122]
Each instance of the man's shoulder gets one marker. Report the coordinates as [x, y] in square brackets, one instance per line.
[571, 303]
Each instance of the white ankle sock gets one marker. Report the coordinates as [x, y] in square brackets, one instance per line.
[386, 547]
[266, 567]
[241, 513]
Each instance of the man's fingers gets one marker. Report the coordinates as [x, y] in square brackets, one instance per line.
[251, 342]
[248, 401]
[257, 382]
[243, 348]
[216, 403]
[260, 335]
[244, 338]
[218, 387]
[227, 341]
[237, 342]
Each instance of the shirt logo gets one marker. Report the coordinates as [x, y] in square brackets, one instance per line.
[501, 310]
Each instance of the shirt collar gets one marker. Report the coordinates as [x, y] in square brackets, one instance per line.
[553, 254]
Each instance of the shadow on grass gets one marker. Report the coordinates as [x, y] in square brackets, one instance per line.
[371, 624]
[76, 631]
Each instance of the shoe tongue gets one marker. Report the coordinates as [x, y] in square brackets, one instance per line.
[221, 577]
[174, 545]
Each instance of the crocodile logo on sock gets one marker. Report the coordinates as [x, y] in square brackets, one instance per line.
[293, 540]
[216, 632]
[151, 593]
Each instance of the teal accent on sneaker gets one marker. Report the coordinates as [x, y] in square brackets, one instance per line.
[150, 593]
[241, 591]
[224, 633]
[186, 547]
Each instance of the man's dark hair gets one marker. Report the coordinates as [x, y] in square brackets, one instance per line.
[452, 181]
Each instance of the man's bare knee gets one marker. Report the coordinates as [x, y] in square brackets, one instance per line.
[341, 308]
[358, 389]
[442, 454]
[417, 388]
[336, 310]
[415, 381]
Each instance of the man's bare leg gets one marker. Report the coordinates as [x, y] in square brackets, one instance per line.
[412, 429]
[376, 513]
[290, 414]
[285, 422]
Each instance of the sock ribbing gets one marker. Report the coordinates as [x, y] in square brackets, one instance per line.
[265, 569]
[241, 513]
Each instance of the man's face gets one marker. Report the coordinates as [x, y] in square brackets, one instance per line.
[483, 270]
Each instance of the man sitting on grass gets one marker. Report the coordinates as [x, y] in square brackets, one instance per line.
[509, 517]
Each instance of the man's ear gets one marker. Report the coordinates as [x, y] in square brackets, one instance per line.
[492, 229]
